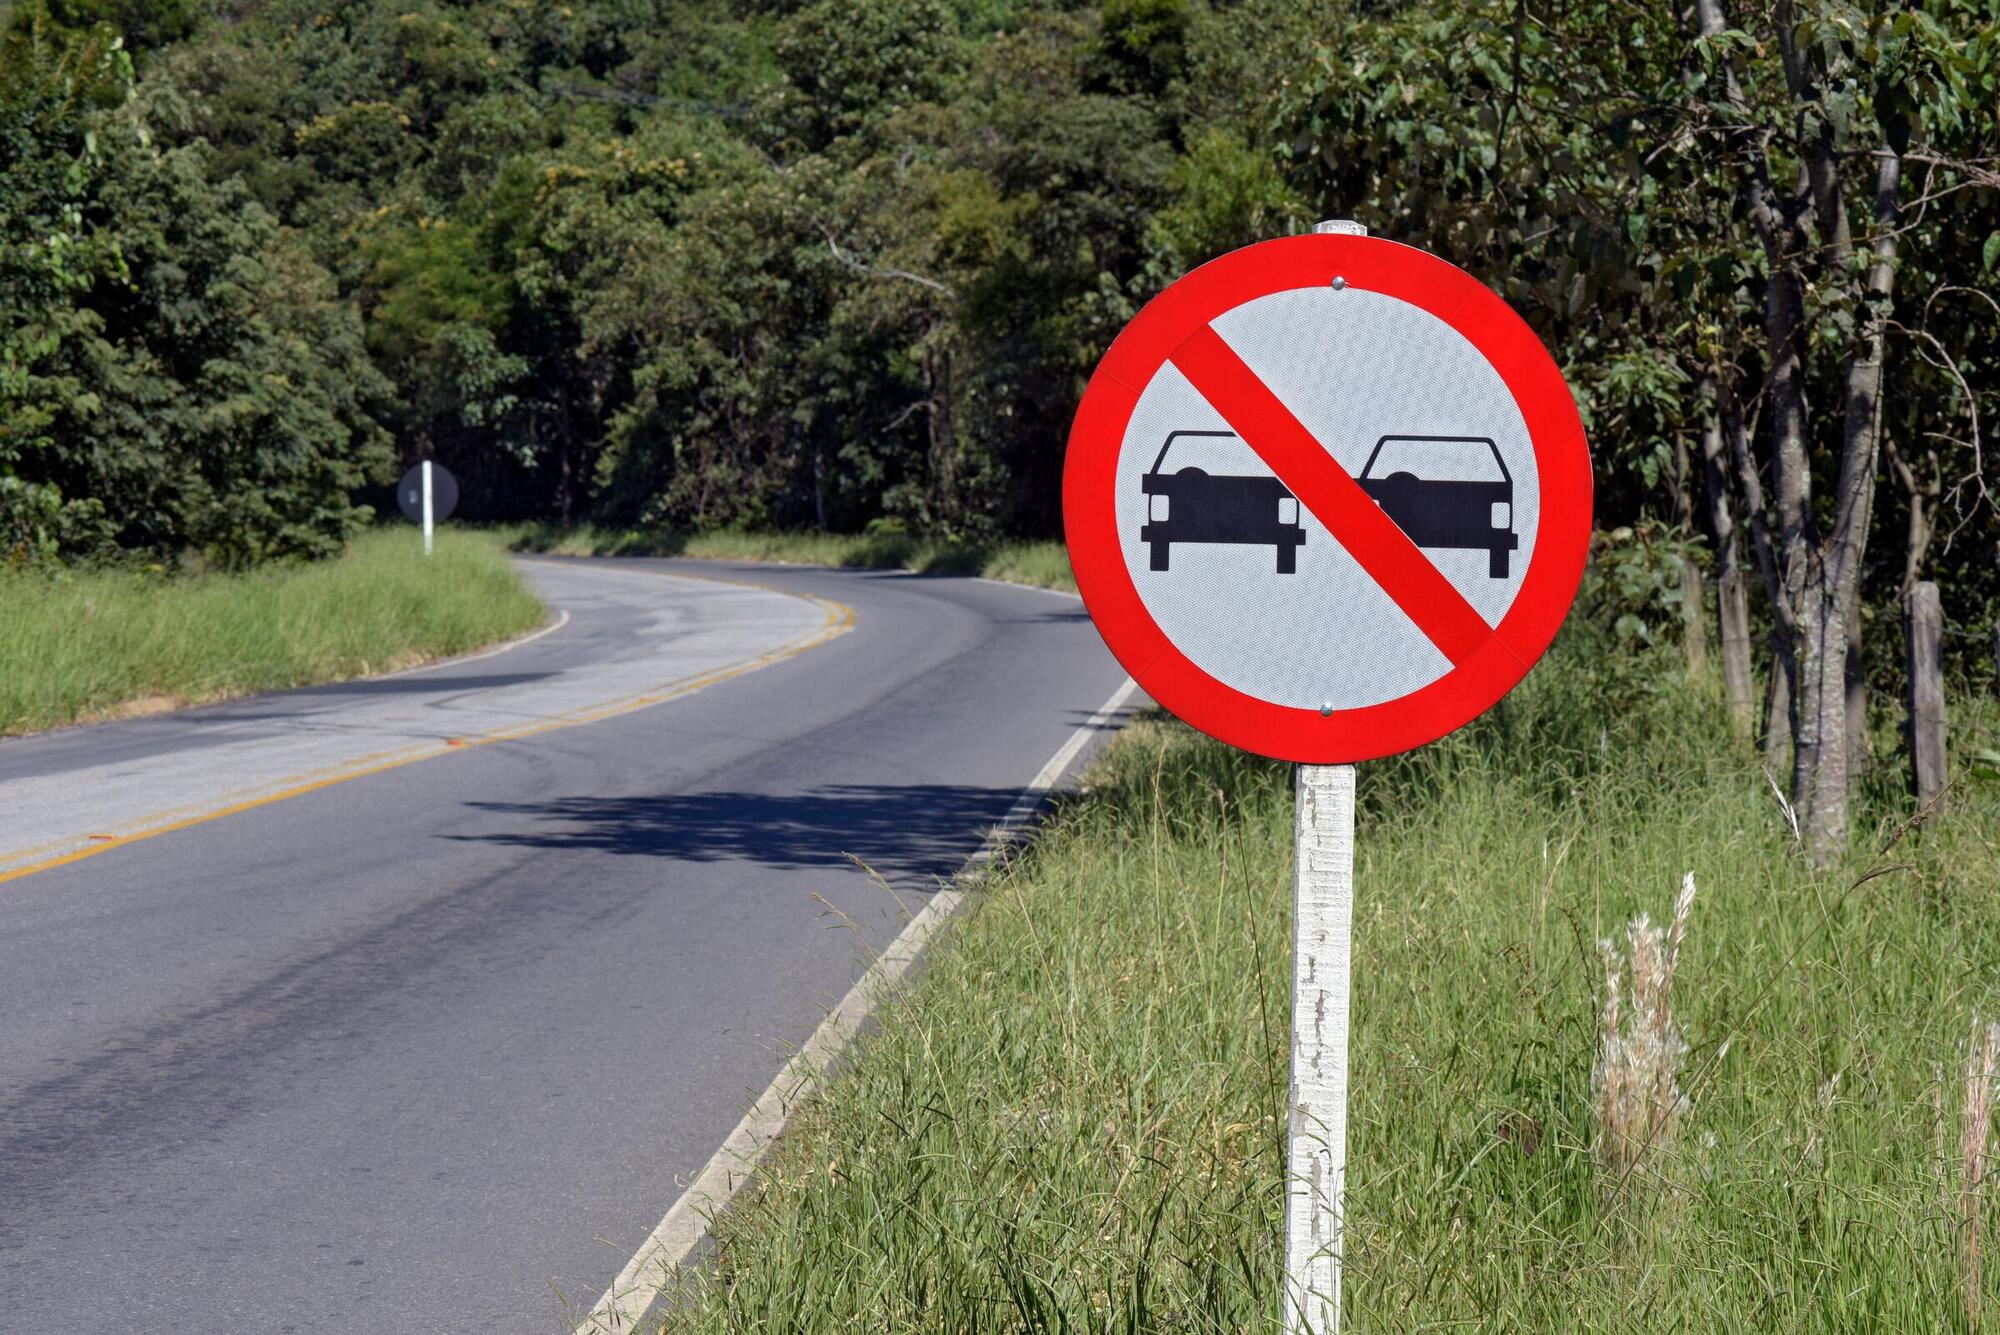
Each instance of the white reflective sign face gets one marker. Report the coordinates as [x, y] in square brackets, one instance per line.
[1254, 589]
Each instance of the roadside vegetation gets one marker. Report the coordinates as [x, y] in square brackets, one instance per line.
[802, 265]
[1074, 1119]
[884, 547]
[79, 645]
[806, 280]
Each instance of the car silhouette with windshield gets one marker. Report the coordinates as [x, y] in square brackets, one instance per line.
[1447, 512]
[1193, 505]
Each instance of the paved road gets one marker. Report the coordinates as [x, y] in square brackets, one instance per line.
[481, 961]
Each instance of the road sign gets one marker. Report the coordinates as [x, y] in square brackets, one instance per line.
[444, 493]
[1327, 498]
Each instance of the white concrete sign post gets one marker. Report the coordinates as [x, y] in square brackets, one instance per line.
[429, 522]
[1316, 1140]
[1327, 499]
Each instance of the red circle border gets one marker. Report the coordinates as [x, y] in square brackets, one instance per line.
[1555, 431]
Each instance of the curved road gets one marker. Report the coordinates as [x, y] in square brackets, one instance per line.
[409, 1004]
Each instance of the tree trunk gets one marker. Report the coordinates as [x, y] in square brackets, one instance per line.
[1732, 603]
[1856, 674]
[566, 444]
[1778, 714]
[1799, 609]
[1836, 593]
[1812, 629]
[1819, 713]
[1778, 230]
[1924, 623]
[1694, 622]
[1732, 597]
[1694, 617]
[942, 454]
[1922, 495]
[819, 488]
[1813, 573]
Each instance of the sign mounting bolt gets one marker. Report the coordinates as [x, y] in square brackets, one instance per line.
[1339, 282]
[1326, 711]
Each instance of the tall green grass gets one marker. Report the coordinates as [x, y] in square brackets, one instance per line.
[85, 645]
[1045, 564]
[1073, 1121]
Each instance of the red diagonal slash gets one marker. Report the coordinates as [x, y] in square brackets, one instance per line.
[1335, 499]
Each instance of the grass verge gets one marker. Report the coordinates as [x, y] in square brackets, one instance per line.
[1073, 1121]
[1043, 564]
[100, 644]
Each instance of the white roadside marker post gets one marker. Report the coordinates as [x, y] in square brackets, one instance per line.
[427, 507]
[1316, 1113]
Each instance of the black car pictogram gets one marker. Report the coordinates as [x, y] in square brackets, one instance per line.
[1437, 512]
[1192, 505]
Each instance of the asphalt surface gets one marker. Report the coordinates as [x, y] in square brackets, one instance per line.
[478, 964]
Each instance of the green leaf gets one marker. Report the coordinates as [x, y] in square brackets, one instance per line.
[1991, 253]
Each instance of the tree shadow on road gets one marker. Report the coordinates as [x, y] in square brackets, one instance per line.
[901, 831]
[420, 683]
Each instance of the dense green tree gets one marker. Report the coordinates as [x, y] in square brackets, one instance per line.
[179, 374]
[1712, 224]
[772, 262]
[51, 84]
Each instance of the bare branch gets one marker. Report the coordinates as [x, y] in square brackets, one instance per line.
[1935, 354]
[863, 267]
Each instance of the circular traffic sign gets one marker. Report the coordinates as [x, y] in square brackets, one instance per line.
[1327, 498]
[444, 494]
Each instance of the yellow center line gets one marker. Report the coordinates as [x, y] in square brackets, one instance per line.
[373, 760]
[839, 620]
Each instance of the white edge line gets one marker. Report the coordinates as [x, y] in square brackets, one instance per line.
[734, 1166]
[562, 619]
[1036, 588]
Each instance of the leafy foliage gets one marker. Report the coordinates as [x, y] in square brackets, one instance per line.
[179, 371]
[762, 263]
[706, 265]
